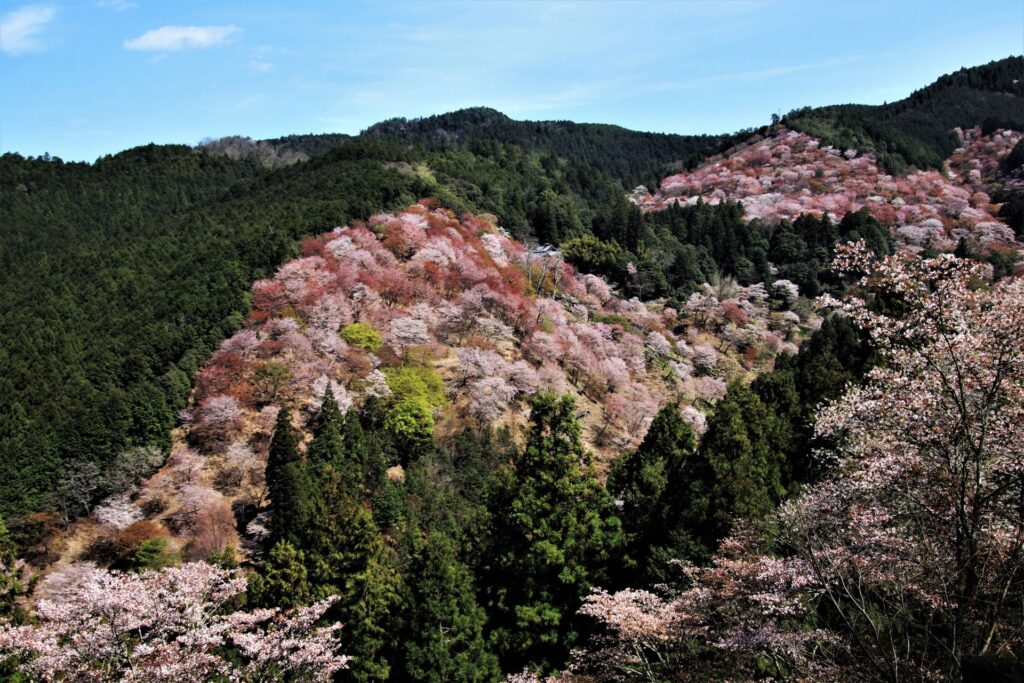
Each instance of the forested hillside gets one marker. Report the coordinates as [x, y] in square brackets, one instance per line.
[630, 157]
[454, 400]
[915, 132]
[131, 270]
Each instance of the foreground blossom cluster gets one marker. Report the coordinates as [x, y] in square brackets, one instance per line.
[904, 562]
[174, 625]
[791, 173]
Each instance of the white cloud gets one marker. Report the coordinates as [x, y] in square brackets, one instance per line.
[19, 29]
[260, 65]
[170, 38]
[119, 5]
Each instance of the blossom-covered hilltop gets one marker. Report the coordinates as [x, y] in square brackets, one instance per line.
[448, 322]
[790, 173]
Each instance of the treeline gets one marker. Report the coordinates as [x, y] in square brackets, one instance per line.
[915, 132]
[469, 556]
[629, 157]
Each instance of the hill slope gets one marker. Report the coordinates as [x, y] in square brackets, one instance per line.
[916, 131]
[629, 156]
[790, 173]
[120, 277]
[449, 321]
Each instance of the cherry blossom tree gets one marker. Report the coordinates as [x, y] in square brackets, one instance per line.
[172, 625]
[705, 357]
[628, 413]
[490, 397]
[117, 512]
[409, 331]
[788, 291]
[903, 563]
[924, 512]
[658, 344]
[220, 419]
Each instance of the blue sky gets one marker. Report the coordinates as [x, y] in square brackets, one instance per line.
[92, 77]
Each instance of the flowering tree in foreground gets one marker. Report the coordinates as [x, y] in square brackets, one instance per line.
[171, 625]
[918, 541]
[905, 562]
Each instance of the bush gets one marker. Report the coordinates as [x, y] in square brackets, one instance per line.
[142, 545]
[410, 423]
[418, 383]
[362, 336]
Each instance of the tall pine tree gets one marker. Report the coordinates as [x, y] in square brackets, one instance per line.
[328, 444]
[642, 480]
[551, 530]
[287, 481]
[736, 473]
[346, 557]
[444, 638]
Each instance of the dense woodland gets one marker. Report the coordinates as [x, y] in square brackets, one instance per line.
[915, 131]
[383, 548]
[631, 158]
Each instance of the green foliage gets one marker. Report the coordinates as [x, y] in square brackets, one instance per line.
[410, 424]
[328, 446]
[551, 527]
[353, 468]
[443, 632]
[643, 481]
[283, 581]
[737, 473]
[629, 156]
[153, 553]
[915, 131]
[682, 247]
[757, 450]
[416, 391]
[361, 336]
[555, 218]
[419, 383]
[803, 249]
[288, 481]
[592, 255]
[11, 585]
[836, 356]
[346, 556]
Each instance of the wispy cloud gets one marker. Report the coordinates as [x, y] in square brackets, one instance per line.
[173, 38]
[119, 5]
[19, 30]
[757, 74]
[260, 65]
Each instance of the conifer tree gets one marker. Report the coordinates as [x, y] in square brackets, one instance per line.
[552, 527]
[11, 585]
[287, 481]
[641, 480]
[346, 557]
[736, 473]
[356, 453]
[284, 581]
[444, 638]
[327, 446]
